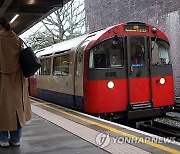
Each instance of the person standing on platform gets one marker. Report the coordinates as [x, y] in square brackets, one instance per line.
[15, 107]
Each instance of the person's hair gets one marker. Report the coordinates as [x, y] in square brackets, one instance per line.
[5, 23]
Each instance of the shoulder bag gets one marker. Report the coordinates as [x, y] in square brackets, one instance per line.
[29, 62]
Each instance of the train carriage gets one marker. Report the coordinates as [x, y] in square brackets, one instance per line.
[122, 71]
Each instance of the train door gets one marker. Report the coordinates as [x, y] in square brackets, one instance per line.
[138, 73]
[78, 78]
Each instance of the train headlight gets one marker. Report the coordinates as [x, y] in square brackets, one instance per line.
[110, 84]
[162, 81]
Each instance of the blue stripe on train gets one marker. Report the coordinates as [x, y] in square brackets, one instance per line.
[66, 100]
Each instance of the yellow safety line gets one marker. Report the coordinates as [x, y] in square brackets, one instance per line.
[159, 146]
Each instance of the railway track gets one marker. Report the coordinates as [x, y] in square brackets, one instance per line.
[168, 126]
[163, 128]
[177, 104]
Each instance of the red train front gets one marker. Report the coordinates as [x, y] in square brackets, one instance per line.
[128, 69]
[123, 71]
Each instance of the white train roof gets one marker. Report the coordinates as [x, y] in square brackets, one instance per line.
[69, 44]
[62, 46]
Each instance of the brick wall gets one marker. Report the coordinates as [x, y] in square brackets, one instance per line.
[164, 14]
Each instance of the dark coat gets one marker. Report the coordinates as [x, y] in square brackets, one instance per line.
[14, 98]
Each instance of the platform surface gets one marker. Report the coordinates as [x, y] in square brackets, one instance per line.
[42, 137]
[57, 130]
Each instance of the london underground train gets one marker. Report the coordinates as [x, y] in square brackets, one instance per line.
[123, 71]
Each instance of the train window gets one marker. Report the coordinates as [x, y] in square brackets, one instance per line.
[46, 66]
[61, 65]
[107, 54]
[160, 52]
[137, 51]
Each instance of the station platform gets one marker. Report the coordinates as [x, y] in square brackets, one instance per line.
[58, 130]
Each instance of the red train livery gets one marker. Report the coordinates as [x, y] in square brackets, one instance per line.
[123, 71]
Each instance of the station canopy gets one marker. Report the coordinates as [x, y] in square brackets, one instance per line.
[27, 12]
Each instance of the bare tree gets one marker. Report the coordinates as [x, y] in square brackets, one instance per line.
[65, 23]
[41, 40]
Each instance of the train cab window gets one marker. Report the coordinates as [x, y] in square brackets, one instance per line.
[107, 54]
[46, 66]
[137, 51]
[61, 65]
[160, 52]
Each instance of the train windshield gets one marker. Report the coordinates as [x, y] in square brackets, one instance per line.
[160, 52]
[107, 54]
[137, 51]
